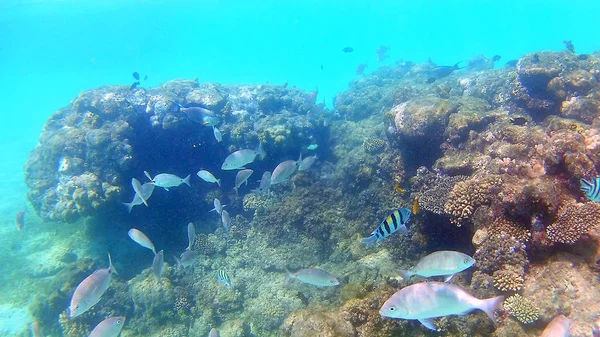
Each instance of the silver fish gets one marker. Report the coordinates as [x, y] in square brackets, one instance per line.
[239, 158]
[441, 263]
[191, 236]
[214, 333]
[110, 327]
[306, 163]
[558, 327]
[283, 171]
[218, 135]
[90, 290]
[137, 187]
[208, 177]
[146, 190]
[242, 177]
[428, 300]
[218, 207]
[167, 180]
[186, 258]
[157, 265]
[201, 115]
[226, 220]
[315, 276]
[265, 183]
[141, 239]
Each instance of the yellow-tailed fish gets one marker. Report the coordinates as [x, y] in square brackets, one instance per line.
[416, 208]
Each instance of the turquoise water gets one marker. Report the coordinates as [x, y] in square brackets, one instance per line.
[52, 50]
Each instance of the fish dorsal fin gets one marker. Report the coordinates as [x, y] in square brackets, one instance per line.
[428, 323]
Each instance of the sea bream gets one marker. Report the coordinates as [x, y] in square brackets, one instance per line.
[265, 183]
[226, 221]
[315, 276]
[306, 163]
[558, 327]
[217, 134]
[208, 177]
[90, 290]
[137, 187]
[394, 222]
[218, 206]
[441, 263]
[146, 191]
[141, 239]
[167, 180]
[201, 115]
[214, 333]
[241, 178]
[110, 327]
[284, 171]
[191, 231]
[591, 188]
[428, 300]
[240, 158]
[186, 259]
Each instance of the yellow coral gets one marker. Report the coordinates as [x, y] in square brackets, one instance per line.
[466, 196]
[508, 280]
[502, 226]
[522, 309]
[575, 220]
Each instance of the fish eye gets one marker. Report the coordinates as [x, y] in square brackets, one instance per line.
[118, 321]
[392, 308]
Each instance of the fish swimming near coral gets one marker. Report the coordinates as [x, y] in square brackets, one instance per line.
[158, 264]
[191, 231]
[238, 159]
[110, 327]
[360, 69]
[265, 183]
[428, 300]
[306, 163]
[416, 208]
[511, 64]
[137, 187]
[134, 85]
[591, 188]
[315, 276]
[396, 221]
[382, 53]
[225, 221]
[141, 239]
[496, 58]
[146, 191]
[90, 290]
[167, 180]
[312, 147]
[284, 171]
[214, 333]
[441, 71]
[441, 263]
[20, 220]
[242, 177]
[201, 115]
[186, 259]
[218, 206]
[224, 278]
[208, 177]
[399, 189]
[217, 134]
[558, 327]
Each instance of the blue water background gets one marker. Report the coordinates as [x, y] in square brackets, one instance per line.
[52, 50]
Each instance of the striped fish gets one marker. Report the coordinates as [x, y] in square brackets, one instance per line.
[224, 278]
[394, 222]
[591, 188]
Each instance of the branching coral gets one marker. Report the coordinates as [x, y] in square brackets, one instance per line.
[508, 279]
[466, 196]
[522, 309]
[436, 193]
[373, 145]
[503, 226]
[575, 220]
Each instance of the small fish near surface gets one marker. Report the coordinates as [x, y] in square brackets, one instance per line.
[224, 278]
[20, 220]
[591, 188]
[238, 159]
[382, 53]
[167, 180]
[347, 49]
[137, 187]
[158, 264]
[147, 189]
[284, 171]
[218, 206]
[201, 115]
[136, 75]
[134, 85]
[314, 276]
[242, 177]
[214, 333]
[110, 327]
[558, 327]
[360, 69]
[208, 177]
[396, 221]
[428, 300]
[141, 239]
[90, 290]
[441, 71]
[441, 263]
[511, 64]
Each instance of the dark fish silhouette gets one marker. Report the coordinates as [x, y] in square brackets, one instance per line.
[511, 64]
[441, 72]
[382, 53]
[535, 58]
[93, 109]
[582, 57]
[136, 75]
[496, 58]
[321, 67]
[348, 50]
[134, 85]
[569, 46]
[20, 219]
[518, 120]
[361, 68]
[145, 77]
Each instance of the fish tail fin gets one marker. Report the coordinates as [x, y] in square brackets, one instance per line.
[236, 191]
[406, 274]
[110, 265]
[289, 274]
[219, 182]
[299, 159]
[148, 176]
[369, 241]
[177, 263]
[490, 305]
[214, 209]
[260, 151]
[187, 180]
[129, 206]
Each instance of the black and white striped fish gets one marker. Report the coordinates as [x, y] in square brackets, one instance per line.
[394, 222]
[591, 188]
[224, 278]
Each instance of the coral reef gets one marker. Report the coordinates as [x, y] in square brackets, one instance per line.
[574, 221]
[521, 308]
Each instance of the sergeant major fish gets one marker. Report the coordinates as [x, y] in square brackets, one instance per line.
[146, 191]
[315, 276]
[167, 180]
[558, 327]
[591, 188]
[141, 239]
[208, 177]
[441, 263]
[428, 300]
[90, 290]
[394, 222]
[110, 327]
[240, 158]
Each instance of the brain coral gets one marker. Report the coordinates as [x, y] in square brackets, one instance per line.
[576, 220]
